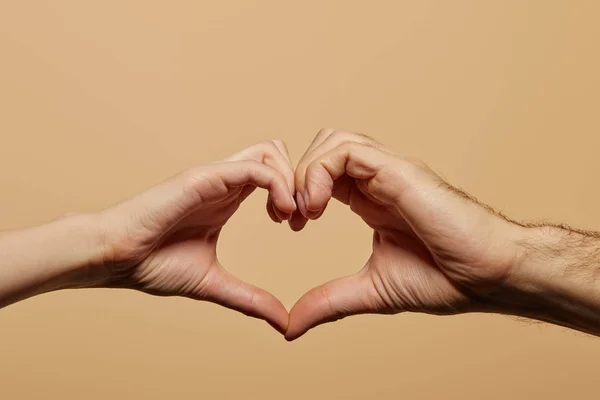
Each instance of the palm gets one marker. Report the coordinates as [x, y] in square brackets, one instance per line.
[401, 268]
[183, 259]
[407, 278]
[167, 244]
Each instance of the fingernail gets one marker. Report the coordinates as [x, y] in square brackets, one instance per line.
[294, 202]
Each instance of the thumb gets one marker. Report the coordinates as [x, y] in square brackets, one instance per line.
[336, 299]
[222, 288]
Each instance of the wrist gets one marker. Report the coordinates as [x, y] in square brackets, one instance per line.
[554, 278]
[556, 262]
[84, 251]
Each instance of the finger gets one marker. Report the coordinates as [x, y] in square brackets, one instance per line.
[330, 302]
[271, 211]
[410, 187]
[301, 219]
[359, 161]
[289, 175]
[285, 152]
[247, 191]
[319, 138]
[298, 221]
[328, 139]
[319, 214]
[228, 291]
[281, 216]
[171, 201]
[418, 194]
[325, 142]
[342, 189]
[272, 153]
[241, 173]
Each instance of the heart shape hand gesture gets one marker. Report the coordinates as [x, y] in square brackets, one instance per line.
[435, 249]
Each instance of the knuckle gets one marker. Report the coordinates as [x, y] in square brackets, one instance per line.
[253, 168]
[417, 162]
[267, 146]
[352, 147]
[343, 137]
[326, 132]
[279, 144]
[366, 138]
[193, 179]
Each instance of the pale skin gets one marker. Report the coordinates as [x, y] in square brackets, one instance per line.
[162, 241]
[435, 249]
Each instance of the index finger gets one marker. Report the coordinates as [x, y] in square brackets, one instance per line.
[325, 141]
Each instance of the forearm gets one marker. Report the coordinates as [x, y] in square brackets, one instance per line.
[556, 279]
[61, 254]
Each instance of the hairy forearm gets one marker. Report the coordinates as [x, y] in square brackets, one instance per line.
[61, 254]
[556, 279]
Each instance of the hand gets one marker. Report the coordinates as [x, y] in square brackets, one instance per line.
[435, 249]
[163, 241]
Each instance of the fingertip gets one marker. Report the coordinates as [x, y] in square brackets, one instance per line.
[308, 211]
[301, 203]
[318, 214]
[277, 215]
[283, 321]
[268, 308]
[284, 204]
[291, 337]
[297, 222]
[314, 215]
[271, 310]
[282, 216]
[296, 324]
[328, 303]
[302, 317]
[315, 202]
[280, 321]
[272, 213]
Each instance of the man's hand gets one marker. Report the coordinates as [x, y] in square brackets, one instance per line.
[435, 250]
[164, 240]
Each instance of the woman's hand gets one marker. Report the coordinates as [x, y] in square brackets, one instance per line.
[163, 241]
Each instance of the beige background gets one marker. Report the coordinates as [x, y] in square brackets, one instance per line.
[99, 100]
